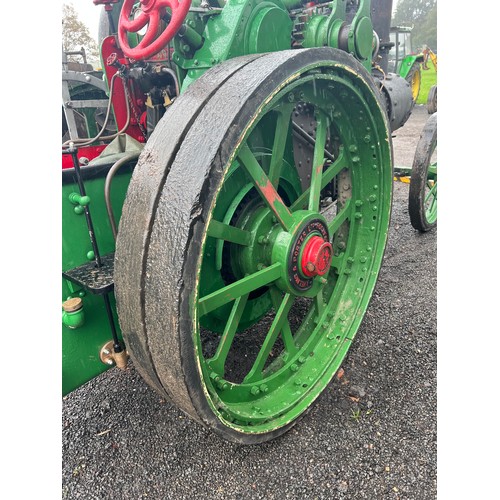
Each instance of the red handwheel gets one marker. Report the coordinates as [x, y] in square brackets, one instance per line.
[151, 14]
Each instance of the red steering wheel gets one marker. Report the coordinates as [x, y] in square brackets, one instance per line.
[151, 14]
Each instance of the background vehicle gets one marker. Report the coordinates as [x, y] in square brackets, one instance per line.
[405, 60]
[229, 233]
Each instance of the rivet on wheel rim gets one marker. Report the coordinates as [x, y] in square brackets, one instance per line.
[267, 316]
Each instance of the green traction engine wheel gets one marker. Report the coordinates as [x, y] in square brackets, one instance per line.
[422, 200]
[238, 291]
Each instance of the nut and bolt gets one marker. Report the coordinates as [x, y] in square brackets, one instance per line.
[255, 390]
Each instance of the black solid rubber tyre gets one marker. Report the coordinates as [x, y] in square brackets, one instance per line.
[139, 211]
[432, 100]
[165, 214]
[419, 175]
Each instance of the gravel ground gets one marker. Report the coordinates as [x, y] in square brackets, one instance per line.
[371, 434]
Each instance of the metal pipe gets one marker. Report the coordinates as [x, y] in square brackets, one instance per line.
[171, 72]
[88, 218]
[116, 343]
[107, 187]
[310, 139]
[117, 347]
[87, 141]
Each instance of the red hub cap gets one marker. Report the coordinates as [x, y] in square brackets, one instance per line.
[316, 257]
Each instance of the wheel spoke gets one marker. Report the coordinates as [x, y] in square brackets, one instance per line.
[218, 362]
[281, 316]
[229, 233]
[320, 304]
[337, 262]
[153, 22]
[265, 188]
[337, 221]
[339, 164]
[318, 162]
[238, 288]
[286, 331]
[432, 192]
[280, 138]
[434, 198]
[261, 335]
[134, 25]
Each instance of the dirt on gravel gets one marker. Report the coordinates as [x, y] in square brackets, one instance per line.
[370, 435]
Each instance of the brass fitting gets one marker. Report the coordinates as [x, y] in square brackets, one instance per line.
[110, 357]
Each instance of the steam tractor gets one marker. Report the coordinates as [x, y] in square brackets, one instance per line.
[225, 219]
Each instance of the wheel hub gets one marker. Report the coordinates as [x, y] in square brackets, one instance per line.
[305, 252]
[243, 362]
[316, 257]
[310, 254]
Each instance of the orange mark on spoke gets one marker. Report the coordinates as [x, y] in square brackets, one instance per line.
[273, 198]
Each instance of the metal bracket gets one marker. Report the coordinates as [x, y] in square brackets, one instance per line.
[110, 357]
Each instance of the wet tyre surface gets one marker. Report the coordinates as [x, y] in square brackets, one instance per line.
[371, 434]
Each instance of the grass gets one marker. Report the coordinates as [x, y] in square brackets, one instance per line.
[429, 78]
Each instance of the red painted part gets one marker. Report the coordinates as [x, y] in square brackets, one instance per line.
[89, 152]
[155, 39]
[316, 257]
[111, 51]
[104, 2]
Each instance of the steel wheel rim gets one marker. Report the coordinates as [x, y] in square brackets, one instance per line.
[263, 403]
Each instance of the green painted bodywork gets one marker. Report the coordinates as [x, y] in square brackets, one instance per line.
[242, 27]
[81, 345]
[73, 320]
[231, 29]
[324, 31]
[407, 63]
[257, 26]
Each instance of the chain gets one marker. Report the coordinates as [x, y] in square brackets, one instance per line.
[134, 111]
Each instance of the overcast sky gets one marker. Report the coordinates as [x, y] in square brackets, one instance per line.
[88, 13]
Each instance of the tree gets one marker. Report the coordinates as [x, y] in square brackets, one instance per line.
[427, 31]
[422, 16]
[412, 11]
[75, 36]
